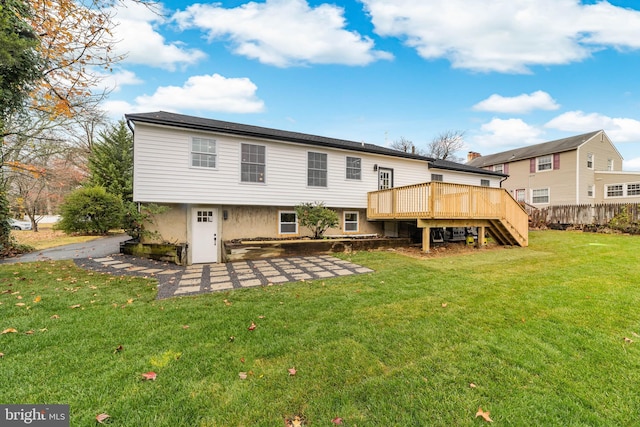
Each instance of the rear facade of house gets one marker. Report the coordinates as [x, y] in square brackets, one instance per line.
[224, 181]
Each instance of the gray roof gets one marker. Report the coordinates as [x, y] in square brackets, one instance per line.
[551, 147]
[198, 123]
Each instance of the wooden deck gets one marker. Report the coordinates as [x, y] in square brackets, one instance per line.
[439, 204]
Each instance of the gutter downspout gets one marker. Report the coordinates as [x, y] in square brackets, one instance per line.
[131, 128]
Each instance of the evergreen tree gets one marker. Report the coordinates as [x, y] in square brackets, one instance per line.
[111, 162]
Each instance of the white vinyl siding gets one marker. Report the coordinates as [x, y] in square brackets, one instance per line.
[203, 153]
[350, 222]
[162, 172]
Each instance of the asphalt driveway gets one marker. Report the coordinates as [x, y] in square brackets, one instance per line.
[93, 249]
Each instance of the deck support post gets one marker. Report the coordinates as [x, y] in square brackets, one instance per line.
[482, 241]
[426, 237]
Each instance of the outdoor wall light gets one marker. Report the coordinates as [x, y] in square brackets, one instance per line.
[225, 214]
[375, 167]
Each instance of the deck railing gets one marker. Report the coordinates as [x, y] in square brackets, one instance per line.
[439, 200]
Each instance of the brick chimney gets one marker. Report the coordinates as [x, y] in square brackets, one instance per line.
[472, 155]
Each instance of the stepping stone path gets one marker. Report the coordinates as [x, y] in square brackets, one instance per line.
[202, 278]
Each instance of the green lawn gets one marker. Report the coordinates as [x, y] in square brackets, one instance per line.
[536, 336]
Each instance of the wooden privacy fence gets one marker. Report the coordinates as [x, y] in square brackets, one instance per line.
[599, 214]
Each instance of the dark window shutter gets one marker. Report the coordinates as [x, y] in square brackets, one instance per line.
[506, 169]
[532, 165]
[556, 161]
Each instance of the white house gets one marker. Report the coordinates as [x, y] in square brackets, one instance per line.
[224, 181]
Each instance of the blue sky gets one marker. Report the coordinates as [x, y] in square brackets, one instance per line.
[508, 73]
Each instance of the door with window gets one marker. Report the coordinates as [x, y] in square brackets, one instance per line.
[204, 232]
[385, 178]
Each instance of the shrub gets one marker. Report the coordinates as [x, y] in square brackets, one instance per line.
[136, 218]
[90, 210]
[316, 217]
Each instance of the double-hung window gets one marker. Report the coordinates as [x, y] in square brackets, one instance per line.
[545, 163]
[589, 160]
[316, 169]
[540, 195]
[203, 153]
[354, 168]
[350, 222]
[252, 165]
[616, 190]
[287, 222]
[633, 189]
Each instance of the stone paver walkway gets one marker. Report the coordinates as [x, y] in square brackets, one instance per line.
[195, 279]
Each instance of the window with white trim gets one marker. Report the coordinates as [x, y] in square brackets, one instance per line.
[540, 195]
[437, 177]
[252, 164]
[499, 168]
[609, 164]
[203, 153]
[287, 222]
[545, 163]
[354, 168]
[485, 183]
[633, 189]
[316, 169]
[521, 195]
[615, 190]
[350, 222]
[589, 160]
[591, 191]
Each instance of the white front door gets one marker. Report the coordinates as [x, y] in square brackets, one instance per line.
[204, 235]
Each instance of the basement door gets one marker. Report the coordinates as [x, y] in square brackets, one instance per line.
[204, 235]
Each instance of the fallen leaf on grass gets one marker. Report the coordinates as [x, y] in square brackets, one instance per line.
[30, 332]
[37, 299]
[242, 375]
[102, 417]
[185, 326]
[292, 371]
[252, 326]
[227, 303]
[444, 305]
[628, 340]
[75, 306]
[55, 316]
[118, 349]
[149, 375]
[484, 415]
[337, 421]
[472, 385]
[294, 422]
[10, 331]
[232, 339]
[20, 304]
[1, 354]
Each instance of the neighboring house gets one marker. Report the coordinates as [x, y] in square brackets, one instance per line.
[225, 181]
[582, 169]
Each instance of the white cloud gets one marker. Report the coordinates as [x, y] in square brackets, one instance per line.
[138, 38]
[504, 134]
[631, 164]
[114, 81]
[618, 129]
[199, 93]
[284, 32]
[506, 36]
[523, 103]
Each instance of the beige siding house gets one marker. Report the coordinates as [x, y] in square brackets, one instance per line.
[582, 169]
[224, 181]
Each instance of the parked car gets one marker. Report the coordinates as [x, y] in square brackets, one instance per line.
[19, 225]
